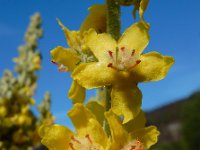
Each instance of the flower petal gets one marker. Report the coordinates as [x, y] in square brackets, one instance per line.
[136, 123]
[119, 135]
[100, 44]
[65, 56]
[97, 109]
[76, 93]
[148, 136]
[142, 8]
[93, 75]
[85, 123]
[77, 112]
[73, 37]
[136, 37]
[55, 136]
[96, 19]
[126, 101]
[153, 67]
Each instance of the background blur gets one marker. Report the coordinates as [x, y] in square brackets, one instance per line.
[175, 31]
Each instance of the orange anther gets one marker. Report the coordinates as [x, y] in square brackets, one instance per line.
[89, 139]
[133, 52]
[71, 145]
[55, 63]
[110, 54]
[122, 49]
[110, 65]
[132, 147]
[75, 140]
[138, 61]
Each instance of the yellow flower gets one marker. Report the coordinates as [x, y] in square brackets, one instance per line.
[36, 62]
[122, 64]
[90, 135]
[69, 58]
[23, 119]
[3, 111]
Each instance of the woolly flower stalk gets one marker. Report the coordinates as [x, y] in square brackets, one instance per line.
[18, 124]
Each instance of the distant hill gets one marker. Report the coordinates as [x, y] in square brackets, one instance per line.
[169, 119]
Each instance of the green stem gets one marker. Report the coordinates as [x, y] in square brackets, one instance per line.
[107, 91]
[113, 18]
[113, 28]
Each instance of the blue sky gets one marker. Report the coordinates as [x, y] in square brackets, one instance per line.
[175, 31]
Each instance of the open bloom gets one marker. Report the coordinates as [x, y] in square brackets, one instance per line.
[91, 136]
[122, 65]
[68, 58]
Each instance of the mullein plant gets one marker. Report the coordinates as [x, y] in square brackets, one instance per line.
[18, 124]
[98, 57]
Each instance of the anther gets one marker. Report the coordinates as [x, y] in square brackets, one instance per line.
[75, 140]
[55, 63]
[132, 147]
[110, 54]
[122, 49]
[89, 139]
[133, 52]
[138, 61]
[111, 66]
[140, 145]
[71, 145]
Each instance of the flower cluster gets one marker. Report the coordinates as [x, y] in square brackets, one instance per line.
[97, 60]
[18, 124]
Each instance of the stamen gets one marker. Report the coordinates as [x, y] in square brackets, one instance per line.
[122, 49]
[55, 63]
[138, 142]
[62, 68]
[71, 145]
[111, 66]
[75, 140]
[140, 145]
[116, 55]
[140, 148]
[89, 139]
[133, 52]
[133, 147]
[110, 54]
[138, 61]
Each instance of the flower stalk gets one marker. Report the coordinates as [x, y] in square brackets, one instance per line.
[113, 18]
[113, 28]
